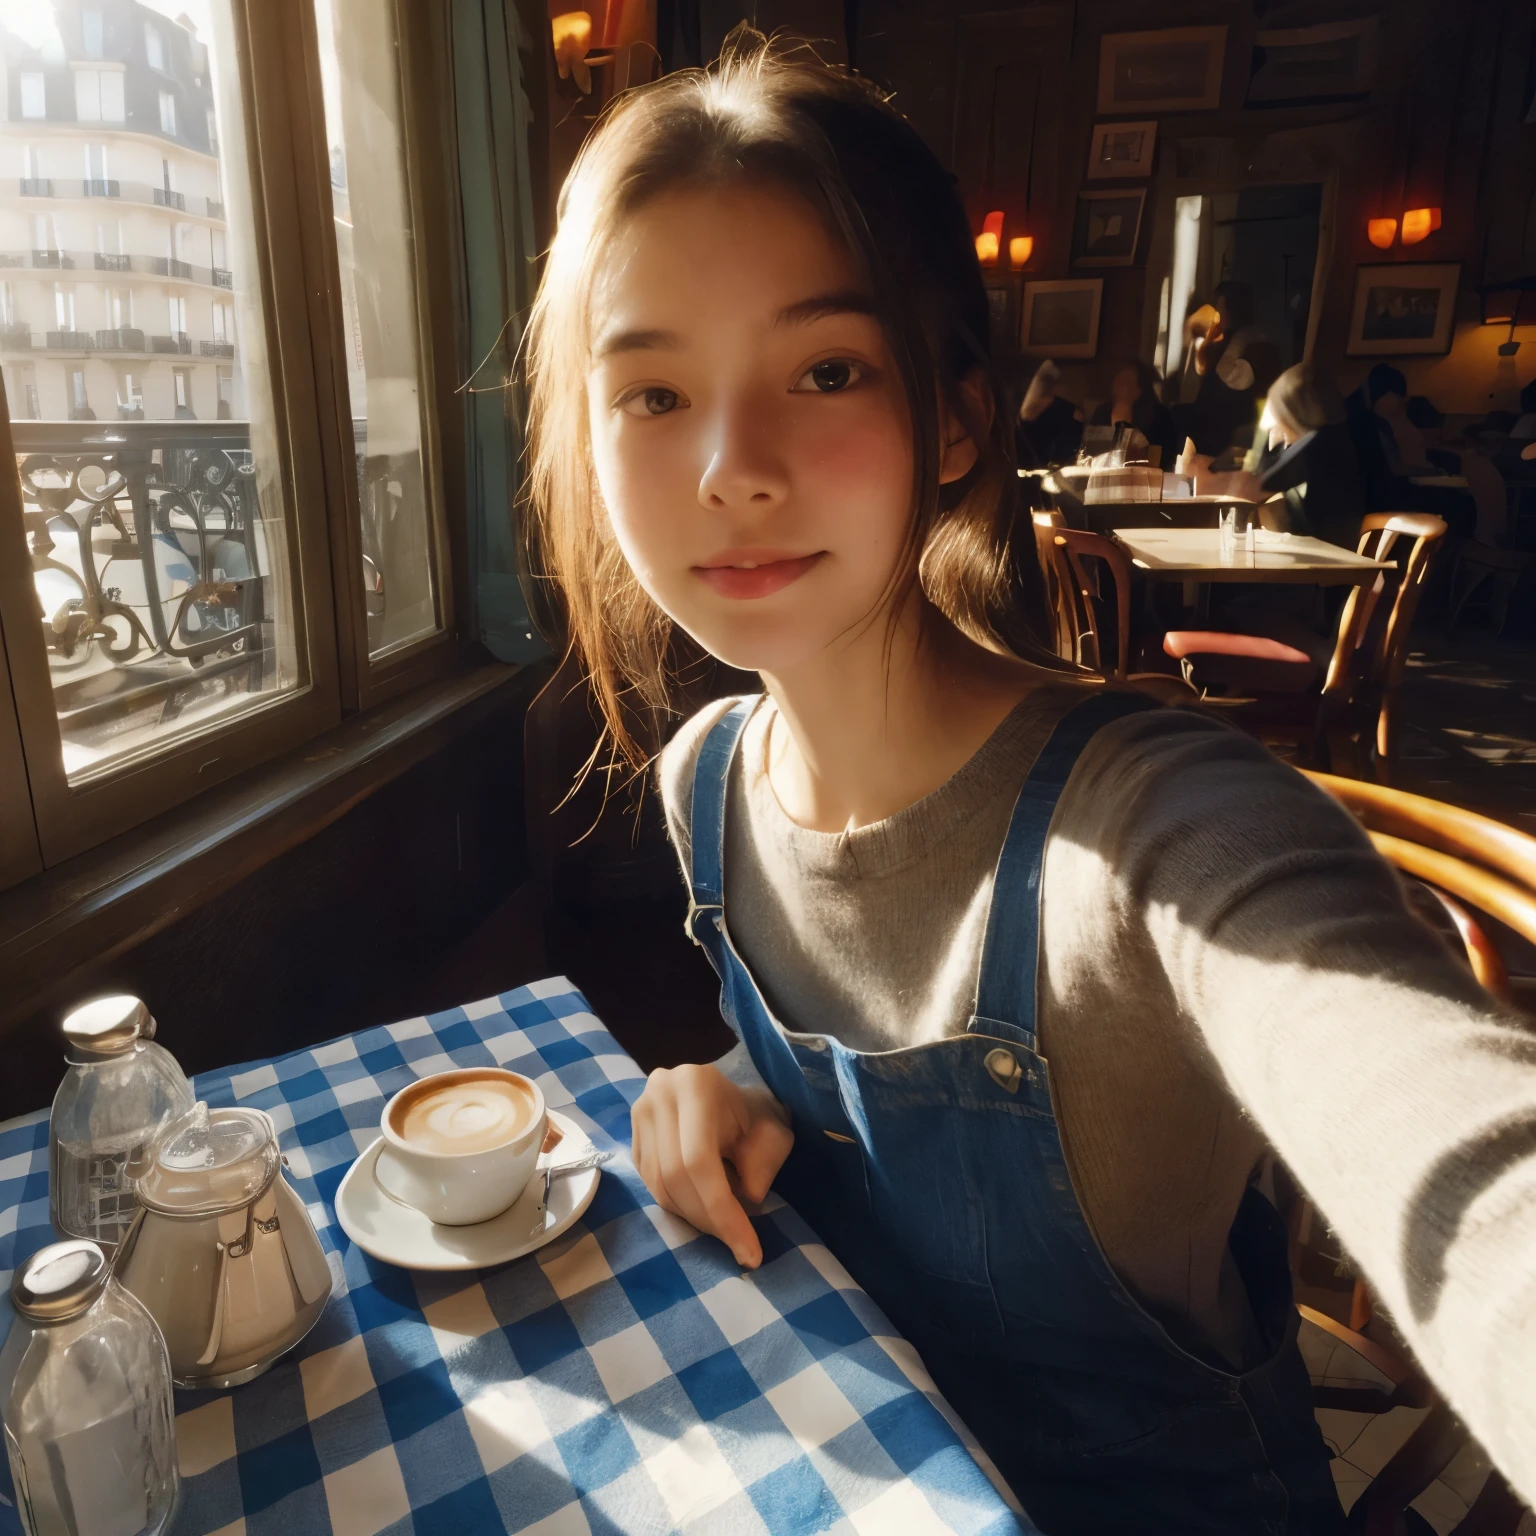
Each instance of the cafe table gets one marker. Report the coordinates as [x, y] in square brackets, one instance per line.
[1193, 557]
[628, 1377]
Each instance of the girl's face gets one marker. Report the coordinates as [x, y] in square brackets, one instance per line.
[749, 429]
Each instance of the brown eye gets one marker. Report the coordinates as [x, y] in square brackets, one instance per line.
[829, 377]
[652, 401]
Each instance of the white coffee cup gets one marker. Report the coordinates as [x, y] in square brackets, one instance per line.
[451, 1151]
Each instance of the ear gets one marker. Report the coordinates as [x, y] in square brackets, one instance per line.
[960, 449]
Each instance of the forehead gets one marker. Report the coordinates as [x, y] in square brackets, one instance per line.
[698, 258]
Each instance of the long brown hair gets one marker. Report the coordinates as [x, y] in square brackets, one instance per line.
[771, 113]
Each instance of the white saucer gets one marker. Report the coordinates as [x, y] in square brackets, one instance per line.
[398, 1234]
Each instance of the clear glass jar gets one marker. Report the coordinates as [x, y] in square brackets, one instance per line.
[85, 1395]
[119, 1089]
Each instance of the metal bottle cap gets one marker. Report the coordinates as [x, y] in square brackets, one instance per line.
[60, 1281]
[107, 1026]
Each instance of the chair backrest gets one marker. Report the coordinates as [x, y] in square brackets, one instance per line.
[1460, 855]
[1380, 534]
[1073, 562]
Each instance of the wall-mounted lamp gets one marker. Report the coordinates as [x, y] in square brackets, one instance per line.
[1419, 224]
[571, 33]
[990, 239]
[1380, 232]
[1020, 249]
[1500, 305]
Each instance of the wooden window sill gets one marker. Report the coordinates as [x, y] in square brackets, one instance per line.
[103, 902]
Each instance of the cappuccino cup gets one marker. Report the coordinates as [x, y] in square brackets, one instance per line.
[460, 1146]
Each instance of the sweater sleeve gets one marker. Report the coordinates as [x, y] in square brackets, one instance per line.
[1399, 1093]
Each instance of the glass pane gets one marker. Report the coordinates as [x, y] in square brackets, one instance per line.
[134, 355]
[375, 248]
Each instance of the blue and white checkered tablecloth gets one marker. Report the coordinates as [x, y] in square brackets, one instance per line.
[627, 1377]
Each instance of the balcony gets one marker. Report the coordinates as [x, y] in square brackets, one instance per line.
[223, 277]
[168, 199]
[123, 339]
[169, 266]
[216, 349]
[15, 338]
[112, 261]
[176, 342]
[36, 186]
[58, 259]
[101, 188]
[68, 341]
[215, 208]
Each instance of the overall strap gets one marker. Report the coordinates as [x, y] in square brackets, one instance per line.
[707, 818]
[1005, 989]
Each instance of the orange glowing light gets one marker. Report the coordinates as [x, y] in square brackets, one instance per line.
[993, 224]
[1380, 232]
[986, 248]
[1020, 249]
[1419, 223]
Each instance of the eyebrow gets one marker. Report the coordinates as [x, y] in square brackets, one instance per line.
[819, 307]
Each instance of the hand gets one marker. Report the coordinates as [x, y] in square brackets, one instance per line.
[688, 1125]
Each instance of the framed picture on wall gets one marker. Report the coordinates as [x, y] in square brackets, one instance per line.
[1121, 149]
[1061, 317]
[1404, 310]
[1174, 70]
[1332, 62]
[1104, 232]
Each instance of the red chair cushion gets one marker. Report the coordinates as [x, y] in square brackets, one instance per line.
[1180, 643]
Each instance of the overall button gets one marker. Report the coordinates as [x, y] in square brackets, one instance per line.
[834, 1136]
[1004, 1069]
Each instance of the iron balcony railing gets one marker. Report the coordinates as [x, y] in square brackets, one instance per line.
[126, 191]
[105, 261]
[101, 188]
[68, 341]
[36, 186]
[125, 338]
[113, 261]
[168, 199]
[216, 348]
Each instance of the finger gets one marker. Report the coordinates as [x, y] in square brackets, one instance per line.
[672, 1188]
[759, 1155]
[721, 1211]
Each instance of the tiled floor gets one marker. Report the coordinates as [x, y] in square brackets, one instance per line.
[1363, 1443]
[1467, 714]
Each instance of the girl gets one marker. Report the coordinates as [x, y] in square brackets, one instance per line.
[1025, 974]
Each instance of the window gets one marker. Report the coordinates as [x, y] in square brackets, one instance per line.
[148, 684]
[154, 46]
[7, 303]
[31, 163]
[92, 34]
[21, 391]
[213, 134]
[96, 169]
[99, 95]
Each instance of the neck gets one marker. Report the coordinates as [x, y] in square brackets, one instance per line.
[872, 725]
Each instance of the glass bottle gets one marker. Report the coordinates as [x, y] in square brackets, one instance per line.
[85, 1395]
[119, 1088]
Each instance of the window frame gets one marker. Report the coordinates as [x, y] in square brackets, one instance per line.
[67, 820]
[426, 86]
[20, 855]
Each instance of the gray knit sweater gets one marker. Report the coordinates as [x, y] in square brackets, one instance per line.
[1224, 963]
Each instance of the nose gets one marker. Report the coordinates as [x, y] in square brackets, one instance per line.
[746, 467]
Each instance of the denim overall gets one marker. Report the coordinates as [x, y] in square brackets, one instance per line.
[936, 1175]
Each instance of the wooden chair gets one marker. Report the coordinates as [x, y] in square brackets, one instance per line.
[1076, 565]
[1470, 865]
[1345, 720]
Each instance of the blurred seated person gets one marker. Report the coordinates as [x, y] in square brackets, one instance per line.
[1050, 428]
[1310, 457]
[1524, 428]
[1228, 364]
[1379, 427]
[1133, 399]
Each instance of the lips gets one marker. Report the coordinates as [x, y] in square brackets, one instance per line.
[751, 573]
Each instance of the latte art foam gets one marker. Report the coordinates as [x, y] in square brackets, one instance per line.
[467, 1115]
